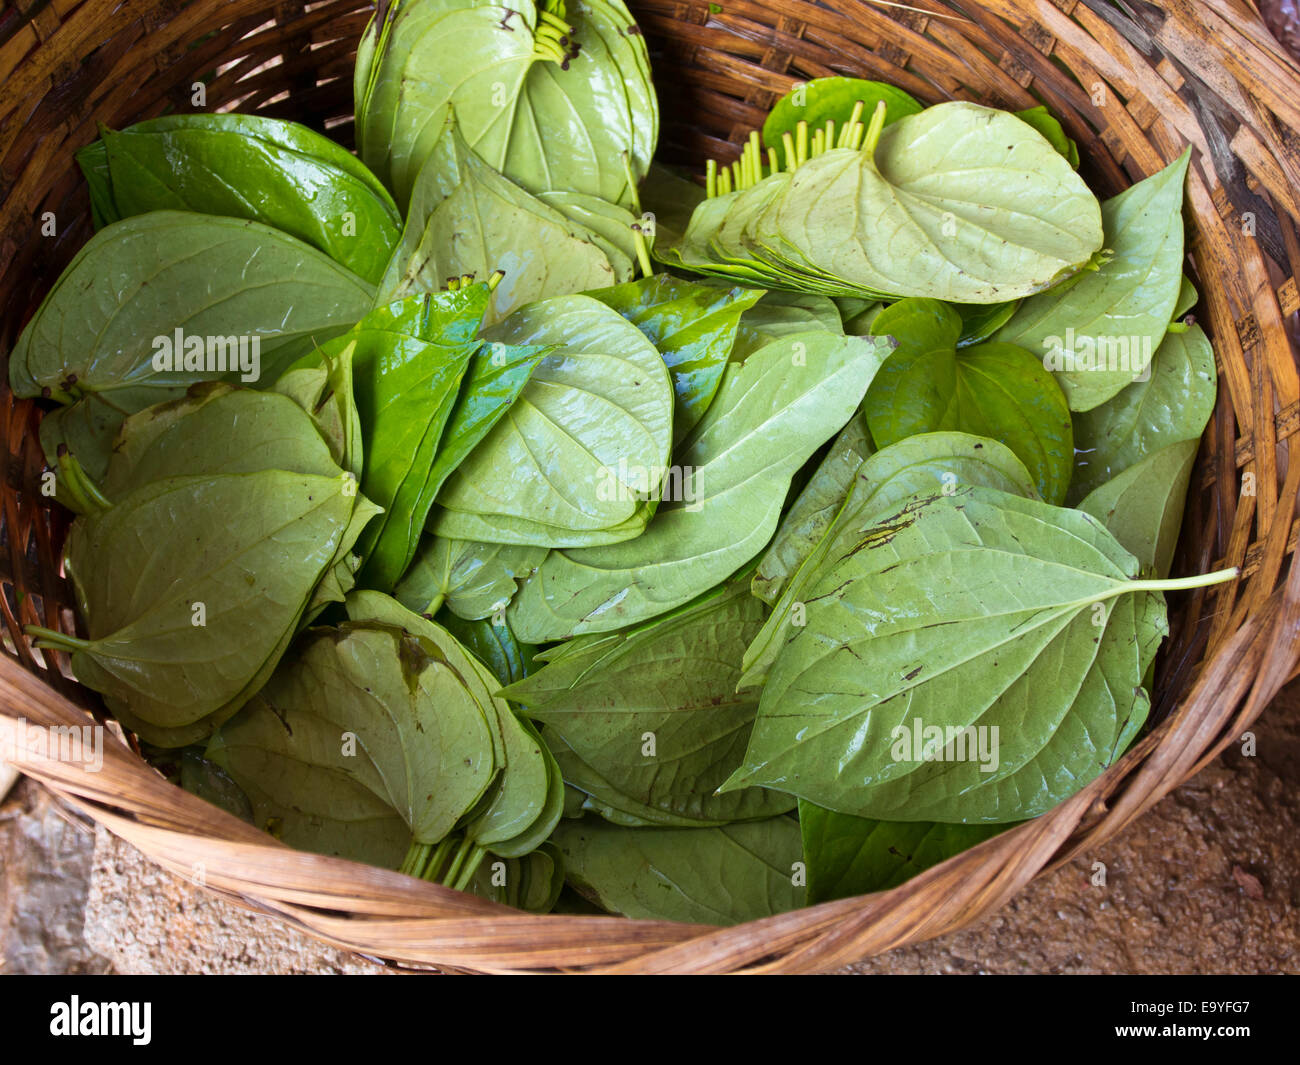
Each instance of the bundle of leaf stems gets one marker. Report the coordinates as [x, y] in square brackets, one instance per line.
[797, 149]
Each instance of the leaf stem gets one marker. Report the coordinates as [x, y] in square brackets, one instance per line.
[631, 183]
[434, 864]
[471, 867]
[1180, 584]
[416, 855]
[453, 870]
[642, 250]
[877, 123]
[54, 640]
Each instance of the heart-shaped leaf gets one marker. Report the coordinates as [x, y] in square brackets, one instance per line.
[992, 390]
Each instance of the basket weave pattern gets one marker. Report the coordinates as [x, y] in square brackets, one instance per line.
[1133, 86]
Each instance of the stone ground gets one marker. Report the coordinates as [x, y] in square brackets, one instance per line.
[1207, 882]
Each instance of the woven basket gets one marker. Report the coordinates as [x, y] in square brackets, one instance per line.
[1133, 85]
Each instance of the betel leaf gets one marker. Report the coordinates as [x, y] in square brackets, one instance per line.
[1174, 404]
[960, 202]
[213, 547]
[466, 219]
[304, 790]
[694, 327]
[993, 390]
[813, 510]
[669, 197]
[587, 791]
[473, 580]
[551, 95]
[833, 98]
[655, 708]
[497, 374]
[493, 644]
[583, 447]
[325, 391]
[771, 413]
[780, 314]
[1188, 297]
[924, 464]
[1143, 506]
[848, 855]
[980, 321]
[409, 359]
[247, 166]
[227, 298]
[1050, 127]
[144, 567]
[610, 227]
[719, 876]
[377, 704]
[1098, 330]
[973, 658]
[521, 806]
[532, 883]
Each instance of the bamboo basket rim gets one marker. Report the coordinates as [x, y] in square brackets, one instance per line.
[1198, 72]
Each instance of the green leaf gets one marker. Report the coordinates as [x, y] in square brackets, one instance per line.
[669, 196]
[722, 876]
[376, 704]
[584, 445]
[1143, 506]
[1188, 297]
[833, 98]
[246, 548]
[771, 413]
[813, 510]
[246, 166]
[587, 791]
[493, 644]
[497, 374]
[108, 328]
[694, 327]
[607, 225]
[1098, 331]
[544, 124]
[917, 465]
[655, 708]
[849, 855]
[466, 219]
[1050, 127]
[782, 314]
[960, 203]
[409, 359]
[973, 658]
[1173, 404]
[523, 804]
[993, 390]
[473, 580]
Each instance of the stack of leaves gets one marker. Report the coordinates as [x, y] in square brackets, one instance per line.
[774, 578]
[466, 219]
[380, 739]
[204, 551]
[957, 202]
[555, 96]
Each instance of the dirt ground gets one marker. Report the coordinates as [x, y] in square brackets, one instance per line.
[1207, 882]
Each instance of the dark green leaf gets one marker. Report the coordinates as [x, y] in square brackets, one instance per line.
[849, 855]
[719, 876]
[993, 390]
